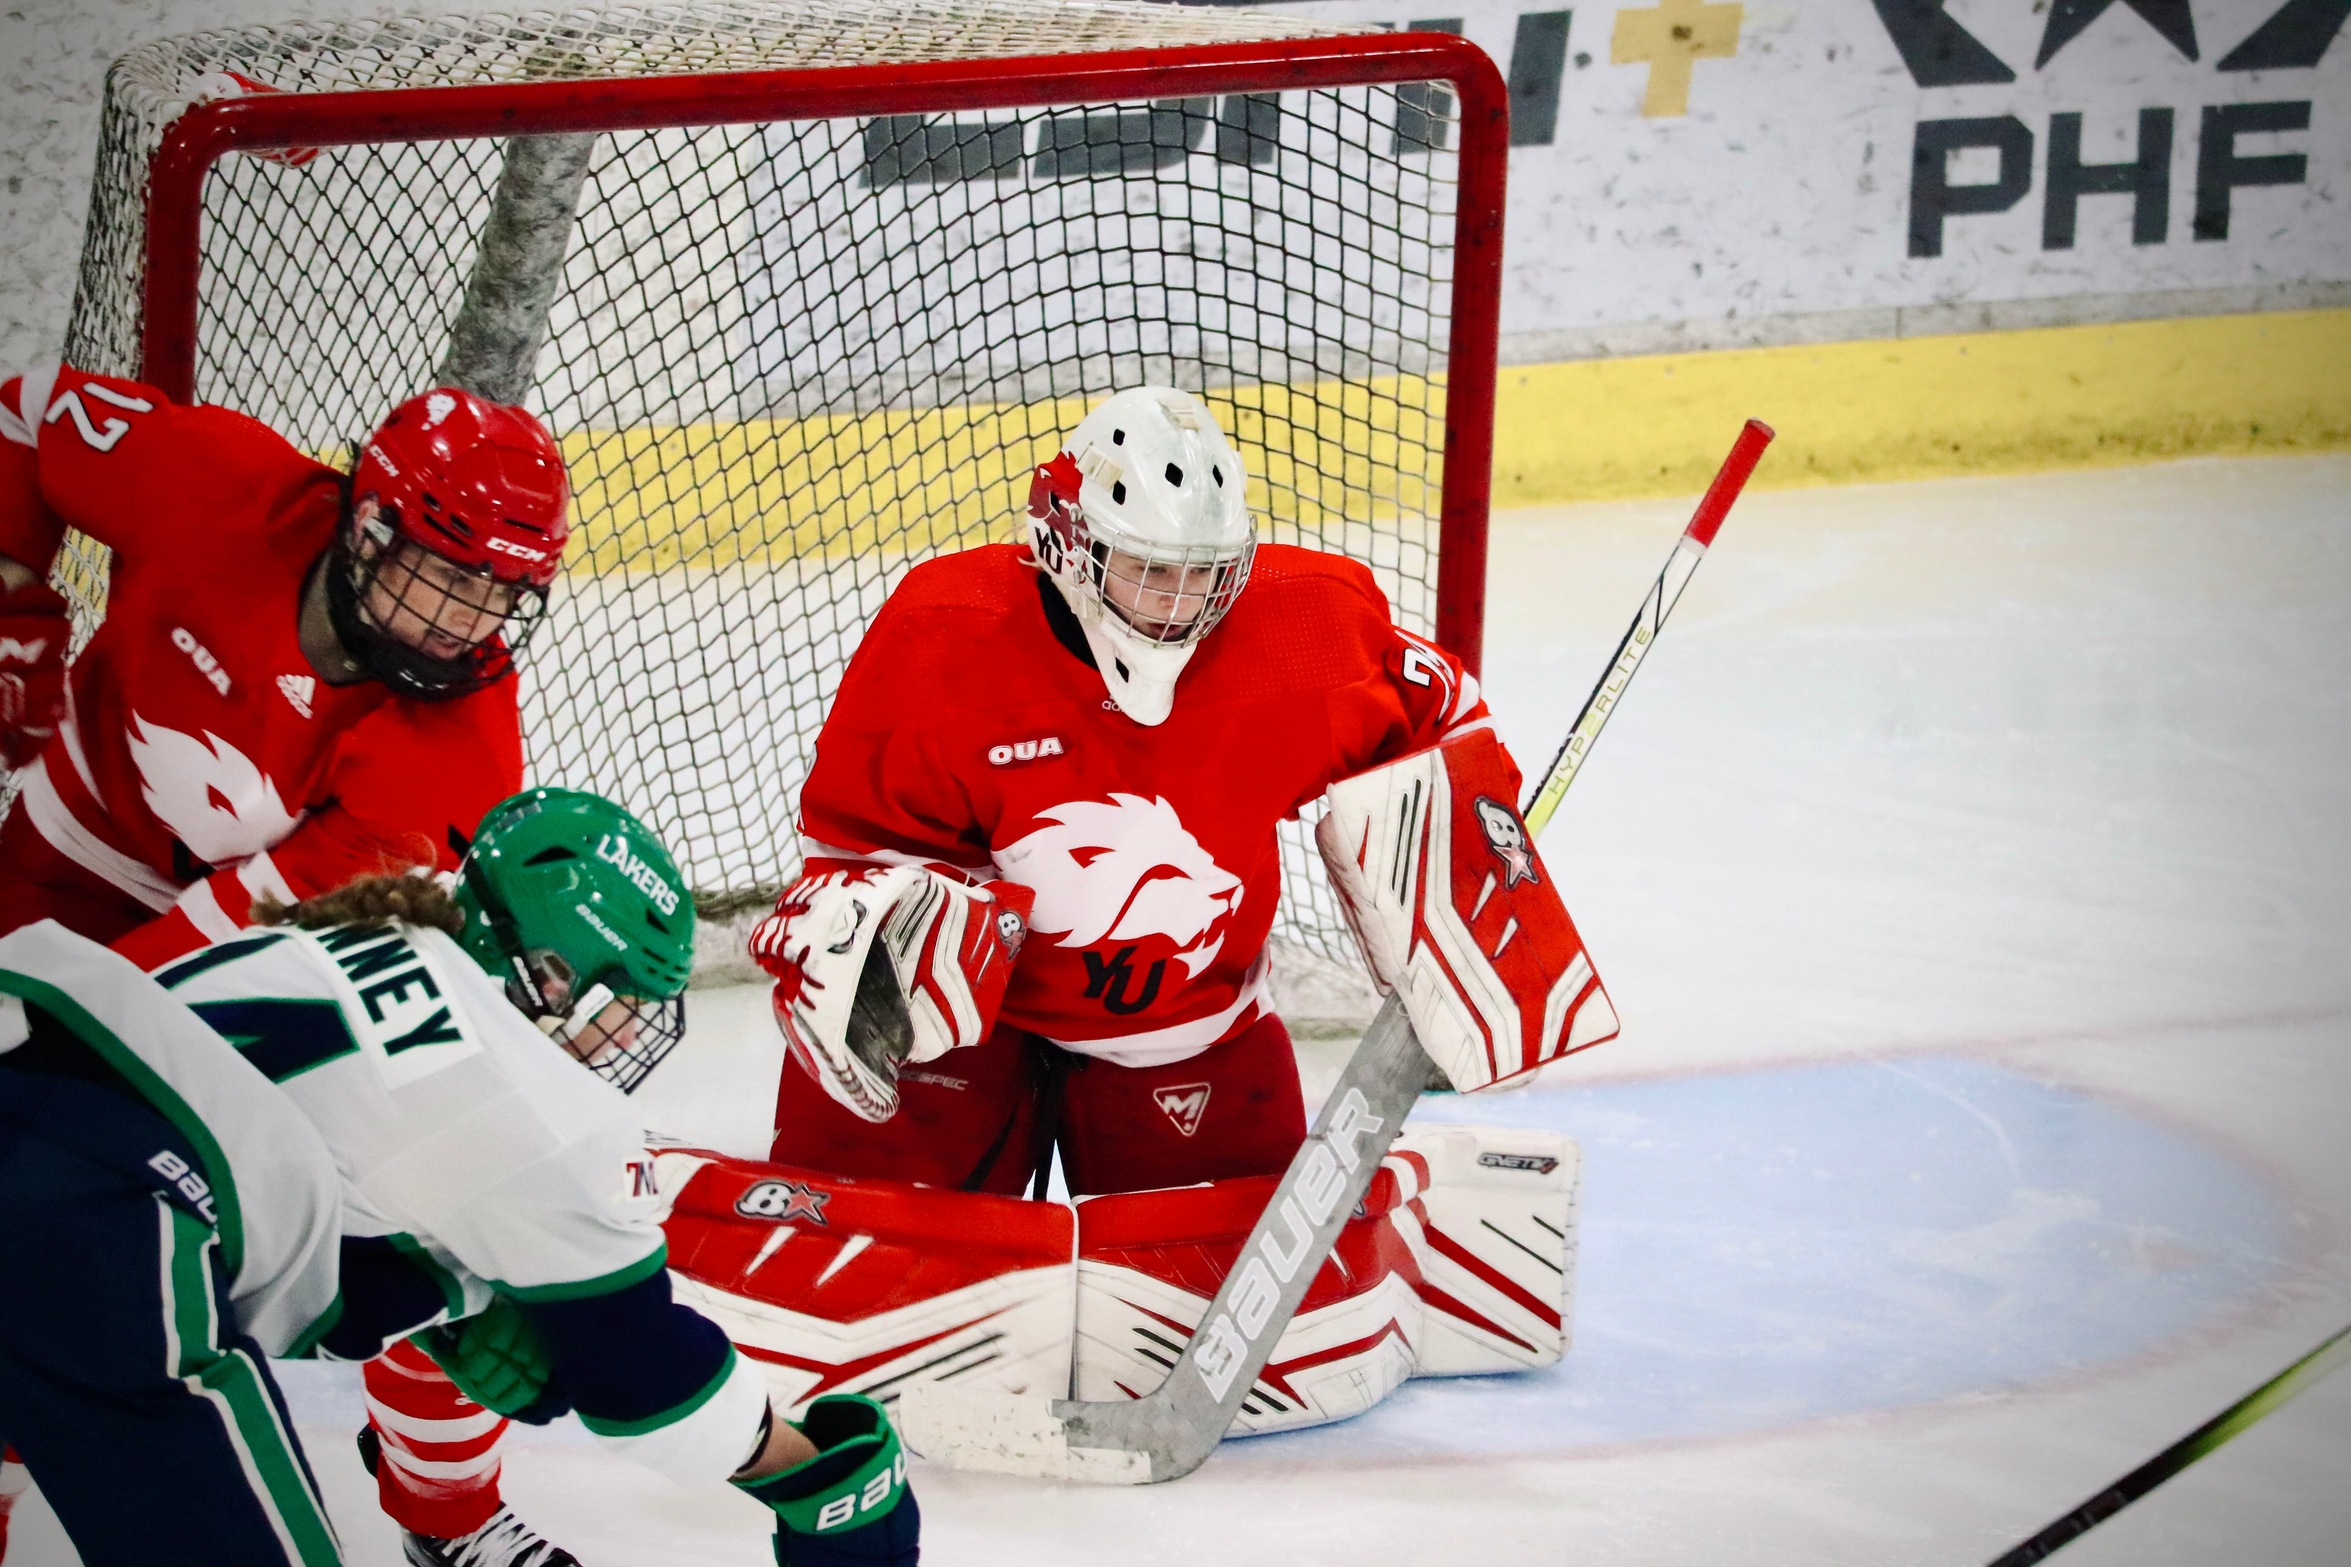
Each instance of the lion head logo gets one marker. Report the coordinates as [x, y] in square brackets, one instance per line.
[1124, 869]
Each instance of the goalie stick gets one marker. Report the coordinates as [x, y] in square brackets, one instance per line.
[2297, 1378]
[1170, 1431]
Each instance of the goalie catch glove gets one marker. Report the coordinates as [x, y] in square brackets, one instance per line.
[879, 965]
[849, 1506]
[1454, 909]
[33, 633]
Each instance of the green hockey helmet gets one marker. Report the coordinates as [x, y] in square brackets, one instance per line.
[579, 909]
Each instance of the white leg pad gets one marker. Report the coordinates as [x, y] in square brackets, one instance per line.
[1494, 1233]
[1462, 1263]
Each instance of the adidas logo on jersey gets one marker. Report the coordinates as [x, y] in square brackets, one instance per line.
[298, 690]
[1185, 1104]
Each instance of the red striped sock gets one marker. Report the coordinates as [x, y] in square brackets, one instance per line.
[439, 1472]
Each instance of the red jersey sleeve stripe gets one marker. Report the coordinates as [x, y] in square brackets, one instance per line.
[23, 399]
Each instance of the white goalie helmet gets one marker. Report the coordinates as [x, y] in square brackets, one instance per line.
[1143, 524]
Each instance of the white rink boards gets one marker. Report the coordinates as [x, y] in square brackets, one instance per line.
[1971, 871]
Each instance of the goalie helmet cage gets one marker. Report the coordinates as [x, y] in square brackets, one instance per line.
[839, 275]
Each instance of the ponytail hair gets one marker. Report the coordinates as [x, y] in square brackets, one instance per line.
[369, 900]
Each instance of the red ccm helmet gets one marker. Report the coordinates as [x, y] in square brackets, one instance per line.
[455, 531]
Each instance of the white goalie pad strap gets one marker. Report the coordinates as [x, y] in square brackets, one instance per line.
[1454, 909]
[871, 1286]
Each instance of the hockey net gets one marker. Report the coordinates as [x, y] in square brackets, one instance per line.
[789, 357]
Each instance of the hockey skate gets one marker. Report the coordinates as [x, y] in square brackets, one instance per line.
[505, 1541]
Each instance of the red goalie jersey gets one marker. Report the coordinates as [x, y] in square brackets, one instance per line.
[972, 728]
[202, 761]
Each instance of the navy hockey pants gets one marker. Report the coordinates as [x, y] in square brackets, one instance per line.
[147, 1418]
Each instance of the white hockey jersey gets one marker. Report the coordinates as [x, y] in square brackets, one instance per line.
[265, 1180]
[477, 1144]
[454, 1121]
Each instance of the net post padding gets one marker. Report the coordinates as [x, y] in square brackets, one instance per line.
[494, 342]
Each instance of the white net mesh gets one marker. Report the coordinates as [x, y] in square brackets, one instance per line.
[786, 360]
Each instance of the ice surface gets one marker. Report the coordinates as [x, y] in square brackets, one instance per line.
[1970, 867]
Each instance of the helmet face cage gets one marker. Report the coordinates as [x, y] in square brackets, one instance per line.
[383, 589]
[618, 1036]
[1166, 595]
[1169, 597]
[661, 1025]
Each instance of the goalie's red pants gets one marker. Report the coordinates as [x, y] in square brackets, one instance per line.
[437, 1473]
[987, 1117]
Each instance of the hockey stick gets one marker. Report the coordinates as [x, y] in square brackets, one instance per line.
[1170, 1431]
[2297, 1378]
[1715, 505]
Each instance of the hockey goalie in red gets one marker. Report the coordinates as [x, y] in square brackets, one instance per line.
[300, 678]
[1092, 740]
[1042, 869]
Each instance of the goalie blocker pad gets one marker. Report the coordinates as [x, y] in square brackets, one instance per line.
[1453, 907]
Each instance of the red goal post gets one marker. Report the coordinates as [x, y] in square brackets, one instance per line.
[178, 278]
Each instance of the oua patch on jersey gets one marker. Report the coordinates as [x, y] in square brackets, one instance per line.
[392, 1004]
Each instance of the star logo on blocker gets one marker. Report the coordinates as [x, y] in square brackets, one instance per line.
[1506, 835]
[803, 1201]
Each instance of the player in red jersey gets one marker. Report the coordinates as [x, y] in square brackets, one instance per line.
[300, 678]
[1042, 868]
[1100, 732]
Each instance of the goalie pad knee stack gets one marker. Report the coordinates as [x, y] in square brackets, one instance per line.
[835, 1285]
[1454, 910]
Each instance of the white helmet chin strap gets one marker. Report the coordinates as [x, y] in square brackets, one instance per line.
[1140, 674]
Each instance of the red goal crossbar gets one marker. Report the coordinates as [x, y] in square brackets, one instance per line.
[206, 133]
